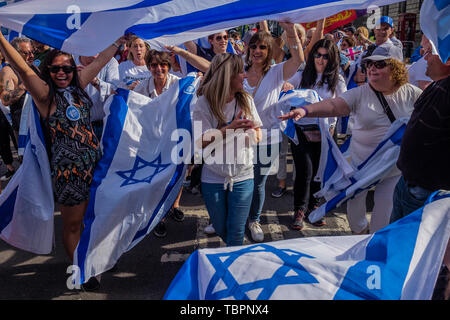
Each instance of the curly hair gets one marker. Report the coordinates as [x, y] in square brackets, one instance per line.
[399, 73]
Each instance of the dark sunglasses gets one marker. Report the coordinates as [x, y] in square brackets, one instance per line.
[65, 69]
[162, 64]
[318, 55]
[261, 47]
[219, 38]
[377, 64]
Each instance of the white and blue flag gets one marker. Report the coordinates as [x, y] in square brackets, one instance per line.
[146, 144]
[341, 182]
[400, 261]
[435, 24]
[86, 27]
[26, 212]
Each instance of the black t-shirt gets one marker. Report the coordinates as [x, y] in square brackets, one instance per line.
[425, 152]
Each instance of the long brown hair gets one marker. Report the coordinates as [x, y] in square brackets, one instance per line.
[261, 37]
[216, 85]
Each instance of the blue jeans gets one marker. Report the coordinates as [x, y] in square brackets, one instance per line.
[266, 156]
[228, 210]
[407, 199]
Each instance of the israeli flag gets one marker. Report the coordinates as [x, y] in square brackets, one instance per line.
[146, 144]
[340, 182]
[400, 261]
[435, 24]
[23, 127]
[26, 212]
[86, 27]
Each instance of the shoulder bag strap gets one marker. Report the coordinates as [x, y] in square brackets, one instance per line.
[384, 104]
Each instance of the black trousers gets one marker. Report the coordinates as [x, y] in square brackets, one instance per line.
[306, 160]
[5, 134]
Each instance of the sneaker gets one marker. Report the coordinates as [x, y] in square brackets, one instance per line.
[194, 190]
[187, 181]
[279, 192]
[297, 224]
[160, 230]
[176, 214]
[209, 229]
[7, 175]
[256, 231]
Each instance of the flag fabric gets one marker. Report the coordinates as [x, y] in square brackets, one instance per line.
[86, 27]
[400, 261]
[335, 21]
[26, 212]
[338, 188]
[353, 53]
[139, 175]
[23, 127]
[435, 24]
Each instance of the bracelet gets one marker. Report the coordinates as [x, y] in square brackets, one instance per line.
[116, 45]
[306, 110]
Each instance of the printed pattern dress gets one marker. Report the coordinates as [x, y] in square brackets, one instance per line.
[75, 149]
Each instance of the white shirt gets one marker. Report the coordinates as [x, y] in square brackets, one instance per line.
[108, 80]
[416, 72]
[129, 72]
[266, 97]
[147, 86]
[323, 92]
[202, 113]
[370, 122]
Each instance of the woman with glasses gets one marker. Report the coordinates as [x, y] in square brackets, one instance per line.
[321, 73]
[218, 42]
[264, 83]
[71, 143]
[370, 123]
[134, 70]
[229, 125]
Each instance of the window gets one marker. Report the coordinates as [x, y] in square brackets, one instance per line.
[402, 7]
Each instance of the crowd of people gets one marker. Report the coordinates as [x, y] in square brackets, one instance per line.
[361, 82]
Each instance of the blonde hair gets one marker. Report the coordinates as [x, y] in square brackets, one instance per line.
[216, 85]
[399, 73]
[364, 31]
[130, 43]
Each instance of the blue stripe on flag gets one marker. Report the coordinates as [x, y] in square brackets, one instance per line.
[183, 117]
[231, 11]
[7, 209]
[390, 250]
[111, 137]
[52, 27]
[183, 287]
[331, 164]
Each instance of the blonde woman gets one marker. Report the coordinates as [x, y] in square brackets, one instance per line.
[226, 112]
[370, 123]
[134, 70]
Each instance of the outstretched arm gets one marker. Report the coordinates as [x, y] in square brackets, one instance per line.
[35, 85]
[88, 73]
[291, 66]
[198, 62]
[317, 35]
[336, 107]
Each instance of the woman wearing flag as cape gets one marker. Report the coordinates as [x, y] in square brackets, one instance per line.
[388, 79]
[72, 146]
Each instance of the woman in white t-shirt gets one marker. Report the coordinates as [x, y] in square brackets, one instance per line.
[388, 76]
[134, 70]
[229, 126]
[321, 74]
[264, 82]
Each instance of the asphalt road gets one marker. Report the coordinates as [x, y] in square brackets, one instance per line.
[146, 271]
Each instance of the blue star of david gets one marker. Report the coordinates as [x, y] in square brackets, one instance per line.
[234, 289]
[140, 164]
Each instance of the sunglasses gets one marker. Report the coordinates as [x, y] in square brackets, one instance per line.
[318, 55]
[65, 69]
[261, 47]
[155, 65]
[377, 64]
[219, 38]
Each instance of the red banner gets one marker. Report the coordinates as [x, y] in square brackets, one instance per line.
[335, 21]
